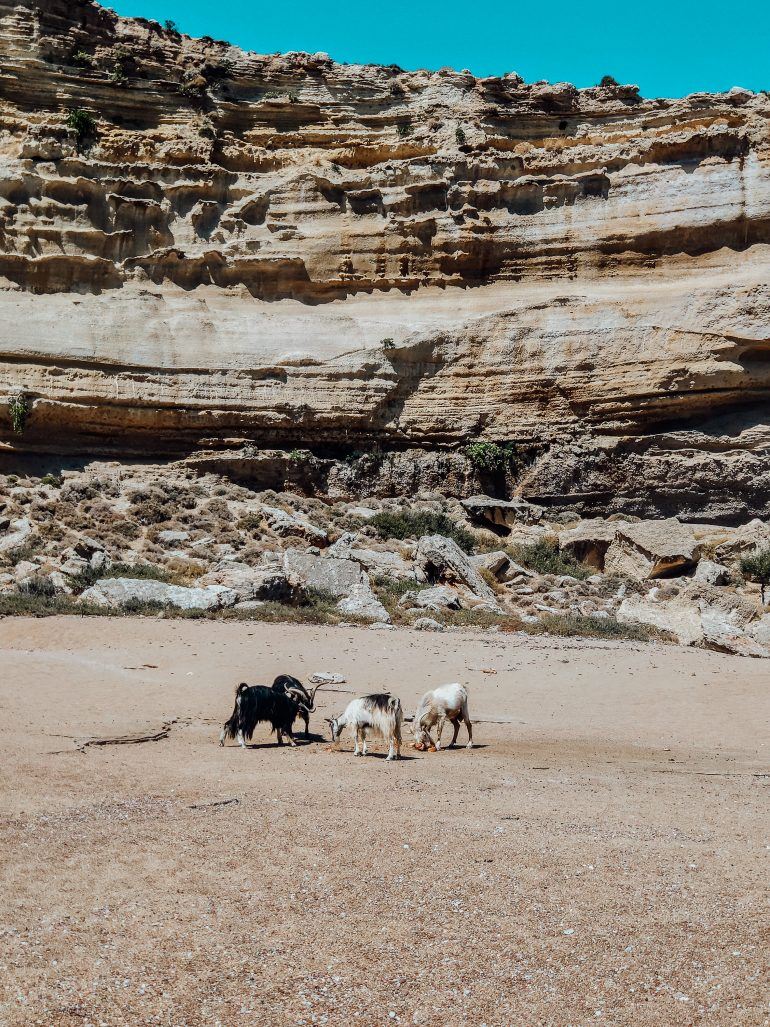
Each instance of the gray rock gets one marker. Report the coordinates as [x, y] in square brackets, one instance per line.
[169, 538]
[249, 604]
[440, 597]
[379, 562]
[19, 533]
[503, 512]
[652, 549]
[99, 560]
[589, 541]
[712, 573]
[427, 624]
[497, 563]
[86, 547]
[324, 574]
[285, 524]
[116, 592]
[363, 604]
[440, 557]
[249, 583]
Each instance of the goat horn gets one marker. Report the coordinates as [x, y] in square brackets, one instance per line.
[312, 698]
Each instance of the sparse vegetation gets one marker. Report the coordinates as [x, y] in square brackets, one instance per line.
[52, 480]
[756, 567]
[489, 456]
[608, 80]
[19, 408]
[404, 128]
[170, 26]
[83, 59]
[84, 125]
[544, 557]
[416, 523]
[388, 343]
[460, 136]
[571, 624]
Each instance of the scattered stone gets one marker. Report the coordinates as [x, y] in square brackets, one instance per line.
[498, 563]
[168, 538]
[427, 624]
[712, 573]
[19, 532]
[325, 678]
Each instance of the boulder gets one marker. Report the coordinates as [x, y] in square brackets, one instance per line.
[701, 615]
[380, 562]
[440, 597]
[745, 539]
[712, 573]
[589, 541]
[427, 624]
[19, 532]
[171, 538]
[651, 549]
[441, 559]
[86, 547]
[363, 604]
[116, 592]
[498, 563]
[322, 573]
[249, 583]
[502, 512]
[286, 524]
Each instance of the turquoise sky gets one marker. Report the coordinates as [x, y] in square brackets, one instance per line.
[668, 49]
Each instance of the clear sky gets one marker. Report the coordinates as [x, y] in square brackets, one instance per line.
[667, 48]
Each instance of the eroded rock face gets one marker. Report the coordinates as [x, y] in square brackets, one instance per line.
[289, 252]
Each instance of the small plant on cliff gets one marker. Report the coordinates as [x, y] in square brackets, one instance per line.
[608, 80]
[489, 456]
[404, 129]
[19, 408]
[416, 523]
[83, 124]
[757, 567]
[460, 136]
[170, 26]
[83, 59]
[388, 343]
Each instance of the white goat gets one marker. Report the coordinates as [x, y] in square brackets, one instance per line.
[381, 714]
[448, 702]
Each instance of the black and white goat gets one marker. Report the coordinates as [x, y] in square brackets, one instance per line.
[448, 702]
[379, 714]
[278, 706]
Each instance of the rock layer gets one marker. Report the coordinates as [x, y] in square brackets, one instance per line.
[282, 251]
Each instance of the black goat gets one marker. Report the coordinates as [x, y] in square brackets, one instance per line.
[255, 704]
[294, 688]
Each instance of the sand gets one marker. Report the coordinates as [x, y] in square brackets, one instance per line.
[598, 858]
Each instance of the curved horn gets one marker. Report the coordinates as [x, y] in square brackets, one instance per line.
[312, 697]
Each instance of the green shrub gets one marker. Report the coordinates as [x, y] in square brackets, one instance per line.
[416, 523]
[388, 343]
[404, 129]
[84, 125]
[608, 80]
[53, 480]
[18, 408]
[170, 26]
[146, 571]
[571, 624]
[544, 557]
[83, 59]
[489, 456]
[460, 136]
[37, 585]
[756, 566]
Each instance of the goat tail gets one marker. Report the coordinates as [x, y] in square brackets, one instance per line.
[231, 727]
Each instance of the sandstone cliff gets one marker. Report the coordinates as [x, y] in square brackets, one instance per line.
[228, 253]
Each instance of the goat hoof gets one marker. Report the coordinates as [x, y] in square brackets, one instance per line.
[419, 746]
[469, 745]
[432, 748]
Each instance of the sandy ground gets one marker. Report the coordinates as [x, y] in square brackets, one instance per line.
[599, 858]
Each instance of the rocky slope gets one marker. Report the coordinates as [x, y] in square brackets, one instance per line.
[233, 253]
